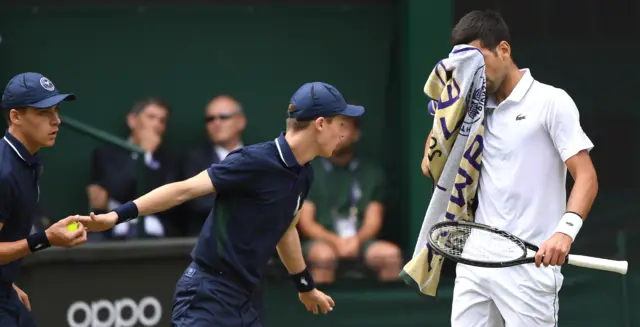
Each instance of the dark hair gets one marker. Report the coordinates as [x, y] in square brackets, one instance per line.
[487, 26]
[297, 125]
[294, 124]
[139, 106]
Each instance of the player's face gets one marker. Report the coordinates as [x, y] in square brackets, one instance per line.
[224, 121]
[351, 137]
[496, 63]
[331, 133]
[39, 126]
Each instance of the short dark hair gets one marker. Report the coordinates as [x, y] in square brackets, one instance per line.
[297, 125]
[139, 106]
[294, 124]
[486, 26]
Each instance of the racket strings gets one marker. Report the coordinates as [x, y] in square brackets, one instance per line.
[477, 244]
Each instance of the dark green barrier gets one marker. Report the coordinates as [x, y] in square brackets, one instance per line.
[111, 56]
[108, 280]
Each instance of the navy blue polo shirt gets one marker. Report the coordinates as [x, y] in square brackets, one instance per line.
[19, 197]
[259, 190]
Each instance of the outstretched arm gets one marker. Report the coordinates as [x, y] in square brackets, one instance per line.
[170, 195]
[234, 174]
[160, 199]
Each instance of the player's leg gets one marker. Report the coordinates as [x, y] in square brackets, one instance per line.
[322, 260]
[383, 257]
[528, 296]
[184, 296]
[472, 306]
[205, 299]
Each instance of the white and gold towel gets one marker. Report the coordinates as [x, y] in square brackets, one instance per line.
[457, 89]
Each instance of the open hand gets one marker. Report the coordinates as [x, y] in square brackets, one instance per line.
[315, 299]
[99, 223]
[554, 250]
[59, 235]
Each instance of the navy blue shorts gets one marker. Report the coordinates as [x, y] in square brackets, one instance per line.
[12, 312]
[212, 299]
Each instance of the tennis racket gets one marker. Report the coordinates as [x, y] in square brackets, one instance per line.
[484, 246]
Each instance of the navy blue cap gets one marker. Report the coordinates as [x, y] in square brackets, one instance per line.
[32, 90]
[317, 99]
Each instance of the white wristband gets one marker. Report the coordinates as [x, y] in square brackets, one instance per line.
[570, 224]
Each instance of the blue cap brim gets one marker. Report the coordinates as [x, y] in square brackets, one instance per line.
[52, 101]
[352, 111]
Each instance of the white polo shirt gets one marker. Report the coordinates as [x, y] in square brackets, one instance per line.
[527, 139]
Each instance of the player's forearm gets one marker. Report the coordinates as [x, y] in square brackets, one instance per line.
[166, 197]
[290, 252]
[11, 251]
[162, 198]
[583, 193]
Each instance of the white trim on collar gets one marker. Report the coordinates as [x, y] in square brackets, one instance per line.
[14, 149]
[280, 152]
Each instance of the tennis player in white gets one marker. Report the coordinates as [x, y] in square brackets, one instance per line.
[532, 136]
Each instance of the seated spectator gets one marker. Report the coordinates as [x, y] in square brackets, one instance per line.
[343, 214]
[225, 122]
[114, 170]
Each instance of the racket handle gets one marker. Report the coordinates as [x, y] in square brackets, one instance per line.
[598, 263]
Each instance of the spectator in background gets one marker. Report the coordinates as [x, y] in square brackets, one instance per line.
[113, 173]
[343, 214]
[225, 122]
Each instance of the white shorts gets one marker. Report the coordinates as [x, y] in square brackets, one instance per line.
[516, 296]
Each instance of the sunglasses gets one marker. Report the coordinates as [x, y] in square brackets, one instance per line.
[223, 117]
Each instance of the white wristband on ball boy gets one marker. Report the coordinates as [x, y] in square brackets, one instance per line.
[570, 224]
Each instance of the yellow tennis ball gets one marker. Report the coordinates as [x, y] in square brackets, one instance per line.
[73, 226]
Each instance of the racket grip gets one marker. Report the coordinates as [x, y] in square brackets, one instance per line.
[598, 263]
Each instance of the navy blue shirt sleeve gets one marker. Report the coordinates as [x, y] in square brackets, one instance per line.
[5, 198]
[237, 172]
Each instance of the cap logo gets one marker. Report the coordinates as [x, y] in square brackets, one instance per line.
[46, 84]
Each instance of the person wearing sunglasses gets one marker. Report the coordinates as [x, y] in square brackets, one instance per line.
[224, 122]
